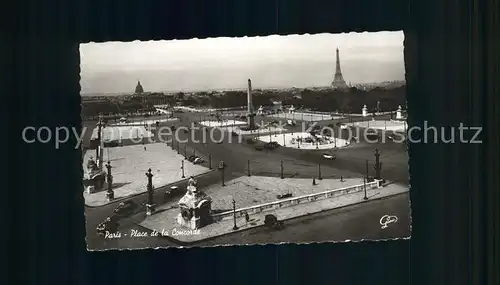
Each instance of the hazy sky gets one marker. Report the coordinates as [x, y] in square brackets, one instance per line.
[227, 63]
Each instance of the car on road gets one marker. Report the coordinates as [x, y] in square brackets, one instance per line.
[198, 160]
[234, 134]
[328, 156]
[125, 208]
[172, 128]
[191, 158]
[284, 196]
[271, 145]
[109, 225]
[172, 191]
[112, 144]
[259, 147]
[373, 137]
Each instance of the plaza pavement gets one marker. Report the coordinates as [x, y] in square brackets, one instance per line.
[165, 220]
[287, 140]
[129, 167]
[387, 125]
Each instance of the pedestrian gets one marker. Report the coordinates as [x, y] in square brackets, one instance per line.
[247, 217]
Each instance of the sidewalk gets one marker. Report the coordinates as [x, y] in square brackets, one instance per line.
[129, 167]
[166, 221]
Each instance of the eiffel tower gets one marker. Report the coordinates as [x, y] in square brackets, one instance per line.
[338, 79]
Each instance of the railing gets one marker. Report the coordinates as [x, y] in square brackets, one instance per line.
[298, 200]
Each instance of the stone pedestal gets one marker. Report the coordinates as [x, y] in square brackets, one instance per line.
[195, 208]
[364, 111]
[192, 224]
[150, 209]
[110, 196]
[90, 189]
[251, 121]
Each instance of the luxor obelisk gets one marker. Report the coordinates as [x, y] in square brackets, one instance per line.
[250, 110]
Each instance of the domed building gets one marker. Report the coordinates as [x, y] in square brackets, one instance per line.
[138, 88]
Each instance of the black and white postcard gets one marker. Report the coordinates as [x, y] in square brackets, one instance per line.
[239, 141]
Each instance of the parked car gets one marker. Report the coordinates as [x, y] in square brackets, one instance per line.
[172, 128]
[172, 191]
[284, 196]
[328, 156]
[191, 158]
[273, 223]
[111, 144]
[234, 134]
[250, 141]
[110, 225]
[271, 145]
[259, 147]
[125, 208]
[198, 160]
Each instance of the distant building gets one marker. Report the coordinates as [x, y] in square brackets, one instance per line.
[138, 88]
[338, 79]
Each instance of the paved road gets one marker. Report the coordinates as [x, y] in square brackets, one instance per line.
[350, 161]
[297, 163]
[356, 222]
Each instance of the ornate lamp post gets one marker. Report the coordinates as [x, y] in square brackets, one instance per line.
[378, 164]
[319, 171]
[282, 177]
[99, 132]
[222, 166]
[364, 186]
[234, 215]
[182, 168]
[185, 151]
[365, 180]
[110, 195]
[248, 167]
[209, 161]
[150, 207]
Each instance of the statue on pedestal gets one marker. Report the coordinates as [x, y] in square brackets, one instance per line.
[364, 111]
[195, 207]
[260, 111]
[95, 176]
[399, 115]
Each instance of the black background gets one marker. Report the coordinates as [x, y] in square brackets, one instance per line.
[450, 73]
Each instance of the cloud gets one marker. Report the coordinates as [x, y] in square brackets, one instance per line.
[221, 63]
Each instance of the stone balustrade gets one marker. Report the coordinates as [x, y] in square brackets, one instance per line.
[298, 200]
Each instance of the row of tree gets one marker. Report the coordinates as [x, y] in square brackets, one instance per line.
[350, 101]
[327, 100]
